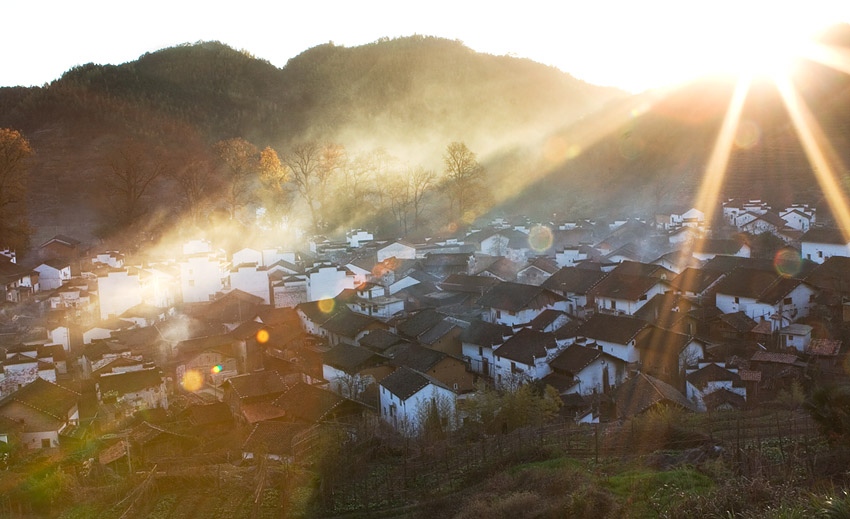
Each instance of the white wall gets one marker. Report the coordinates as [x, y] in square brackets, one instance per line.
[247, 255]
[61, 335]
[118, 292]
[328, 282]
[200, 278]
[406, 418]
[251, 280]
[819, 252]
[397, 250]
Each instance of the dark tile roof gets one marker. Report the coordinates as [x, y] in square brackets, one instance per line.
[658, 341]
[503, 269]
[740, 321]
[482, 333]
[642, 391]
[612, 328]
[468, 284]
[260, 383]
[568, 331]
[417, 358]
[348, 324]
[51, 399]
[774, 357]
[574, 359]
[514, 297]
[436, 333]
[824, 235]
[695, 280]
[208, 414]
[718, 246]
[311, 404]
[419, 323]
[634, 268]
[574, 280]
[711, 373]
[405, 382]
[560, 382]
[824, 347]
[381, 340]
[130, 381]
[546, 318]
[765, 287]
[624, 286]
[832, 275]
[348, 358]
[722, 397]
[272, 438]
[526, 346]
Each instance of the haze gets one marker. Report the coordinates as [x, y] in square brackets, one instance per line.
[622, 44]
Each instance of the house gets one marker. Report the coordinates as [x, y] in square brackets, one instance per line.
[348, 327]
[407, 398]
[614, 335]
[764, 296]
[765, 222]
[478, 341]
[244, 391]
[43, 410]
[676, 261]
[696, 283]
[213, 357]
[287, 291]
[501, 269]
[517, 304]
[374, 301]
[707, 249]
[350, 370]
[357, 237]
[118, 291]
[576, 286]
[443, 265]
[708, 378]
[797, 336]
[60, 246]
[19, 369]
[626, 293]
[537, 271]
[308, 404]
[202, 275]
[251, 278]
[445, 368]
[398, 249]
[821, 243]
[105, 329]
[590, 370]
[574, 255]
[643, 392]
[382, 342]
[798, 218]
[134, 390]
[53, 273]
[17, 283]
[143, 315]
[272, 440]
[665, 354]
[327, 281]
[523, 357]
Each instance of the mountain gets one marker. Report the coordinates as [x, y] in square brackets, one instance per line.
[411, 96]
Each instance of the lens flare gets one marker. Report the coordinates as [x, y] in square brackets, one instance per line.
[192, 380]
[787, 262]
[326, 305]
[540, 238]
[216, 369]
[263, 336]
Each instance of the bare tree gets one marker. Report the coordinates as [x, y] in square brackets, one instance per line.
[132, 170]
[240, 160]
[303, 163]
[421, 182]
[195, 179]
[464, 178]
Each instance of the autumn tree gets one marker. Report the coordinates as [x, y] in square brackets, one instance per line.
[464, 180]
[406, 193]
[15, 151]
[240, 161]
[132, 170]
[274, 177]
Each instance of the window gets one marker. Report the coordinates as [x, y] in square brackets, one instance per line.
[808, 256]
[498, 314]
[737, 300]
[454, 386]
[820, 254]
[45, 443]
[787, 301]
[613, 305]
[642, 298]
[480, 351]
[812, 298]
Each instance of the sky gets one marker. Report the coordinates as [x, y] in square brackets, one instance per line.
[633, 45]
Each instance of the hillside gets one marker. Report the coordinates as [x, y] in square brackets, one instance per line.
[410, 96]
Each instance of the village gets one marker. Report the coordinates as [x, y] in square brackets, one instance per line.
[250, 350]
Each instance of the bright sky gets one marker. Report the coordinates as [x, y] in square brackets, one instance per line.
[633, 45]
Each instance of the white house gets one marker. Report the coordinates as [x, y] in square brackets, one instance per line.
[406, 399]
[251, 278]
[196, 247]
[201, 277]
[613, 334]
[358, 237]
[764, 296]
[576, 286]
[709, 248]
[710, 377]
[374, 301]
[52, 273]
[626, 294]
[797, 219]
[247, 256]
[20, 370]
[45, 409]
[397, 249]
[797, 336]
[819, 243]
[591, 369]
[60, 335]
[515, 304]
[327, 281]
[118, 290]
[478, 341]
[524, 357]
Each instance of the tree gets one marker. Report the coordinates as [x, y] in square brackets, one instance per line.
[193, 171]
[407, 192]
[240, 161]
[132, 170]
[303, 163]
[464, 180]
[273, 179]
[15, 152]
[421, 182]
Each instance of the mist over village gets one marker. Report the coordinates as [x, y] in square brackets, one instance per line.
[407, 278]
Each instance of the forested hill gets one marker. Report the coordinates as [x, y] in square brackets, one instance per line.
[411, 96]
